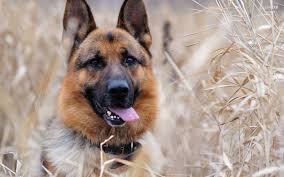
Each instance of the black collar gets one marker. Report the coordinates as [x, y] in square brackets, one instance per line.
[126, 150]
[123, 149]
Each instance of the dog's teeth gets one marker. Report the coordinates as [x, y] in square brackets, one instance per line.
[108, 113]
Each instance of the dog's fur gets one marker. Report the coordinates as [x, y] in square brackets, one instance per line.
[68, 148]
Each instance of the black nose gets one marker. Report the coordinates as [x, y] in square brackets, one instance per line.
[118, 88]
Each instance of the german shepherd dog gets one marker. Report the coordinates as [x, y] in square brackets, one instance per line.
[108, 90]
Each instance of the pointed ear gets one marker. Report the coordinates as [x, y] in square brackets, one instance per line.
[133, 18]
[78, 22]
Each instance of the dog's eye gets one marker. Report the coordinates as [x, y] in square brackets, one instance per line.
[130, 61]
[97, 63]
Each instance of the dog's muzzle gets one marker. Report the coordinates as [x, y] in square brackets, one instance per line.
[115, 103]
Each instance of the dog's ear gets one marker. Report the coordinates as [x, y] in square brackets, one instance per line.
[133, 18]
[78, 22]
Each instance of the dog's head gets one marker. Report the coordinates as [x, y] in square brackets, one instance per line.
[109, 87]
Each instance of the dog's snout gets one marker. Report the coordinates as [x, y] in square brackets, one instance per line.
[118, 88]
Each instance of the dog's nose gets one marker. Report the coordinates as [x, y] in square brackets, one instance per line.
[118, 88]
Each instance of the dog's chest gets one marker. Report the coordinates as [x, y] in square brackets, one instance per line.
[72, 161]
[71, 155]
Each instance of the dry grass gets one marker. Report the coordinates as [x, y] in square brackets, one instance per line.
[221, 74]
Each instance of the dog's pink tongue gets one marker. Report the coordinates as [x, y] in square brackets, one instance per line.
[127, 115]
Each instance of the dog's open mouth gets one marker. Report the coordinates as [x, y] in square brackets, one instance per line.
[117, 117]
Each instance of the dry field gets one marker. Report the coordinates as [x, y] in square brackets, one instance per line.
[220, 67]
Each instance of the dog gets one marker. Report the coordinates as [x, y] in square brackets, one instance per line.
[109, 93]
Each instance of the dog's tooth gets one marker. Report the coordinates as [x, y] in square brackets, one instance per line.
[108, 113]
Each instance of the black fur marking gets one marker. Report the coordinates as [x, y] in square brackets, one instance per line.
[110, 36]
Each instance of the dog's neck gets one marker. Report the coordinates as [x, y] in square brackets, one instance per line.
[121, 149]
[67, 152]
[63, 146]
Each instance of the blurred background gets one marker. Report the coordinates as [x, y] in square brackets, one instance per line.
[220, 70]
